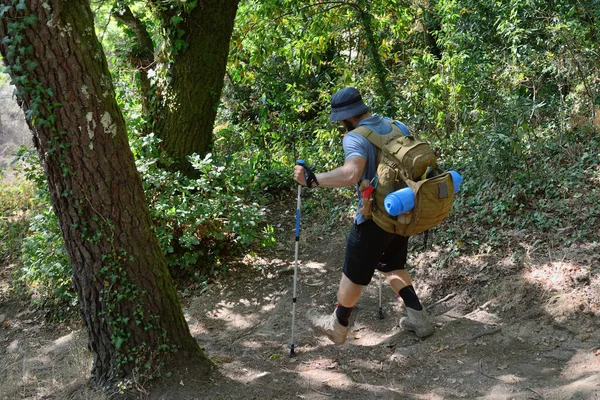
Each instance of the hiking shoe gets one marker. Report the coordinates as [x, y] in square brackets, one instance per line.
[328, 325]
[417, 322]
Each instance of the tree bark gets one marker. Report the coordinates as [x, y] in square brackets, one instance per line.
[128, 300]
[199, 49]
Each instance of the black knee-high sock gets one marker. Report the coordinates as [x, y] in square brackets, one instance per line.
[410, 298]
[343, 314]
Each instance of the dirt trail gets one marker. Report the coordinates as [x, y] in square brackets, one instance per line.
[519, 325]
[506, 348]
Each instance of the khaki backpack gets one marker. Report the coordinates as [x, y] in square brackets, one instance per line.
[403, 160]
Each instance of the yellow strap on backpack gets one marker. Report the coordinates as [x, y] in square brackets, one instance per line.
[427, 171]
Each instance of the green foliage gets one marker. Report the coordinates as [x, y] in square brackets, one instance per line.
[502, 89]
[19, 64]
[492, 69]
[199, 221]
[558, 194]
[497, 87]
[32, 233]
[4, 80]
[16, 198]
[268, 239]
[119, 292]
[46, 271]
[283, 64]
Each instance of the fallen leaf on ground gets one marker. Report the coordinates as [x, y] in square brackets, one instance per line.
[442, 348]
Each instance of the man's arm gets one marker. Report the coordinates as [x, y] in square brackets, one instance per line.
[346, 175]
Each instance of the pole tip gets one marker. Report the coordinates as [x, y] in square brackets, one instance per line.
[292, 348]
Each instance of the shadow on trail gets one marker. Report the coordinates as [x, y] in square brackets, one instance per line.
[495, 337]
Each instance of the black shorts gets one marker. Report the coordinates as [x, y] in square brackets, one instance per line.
[369, 248]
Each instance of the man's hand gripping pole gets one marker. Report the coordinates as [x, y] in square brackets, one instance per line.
[309, 176]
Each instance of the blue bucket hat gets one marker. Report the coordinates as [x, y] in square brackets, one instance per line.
[347, 103]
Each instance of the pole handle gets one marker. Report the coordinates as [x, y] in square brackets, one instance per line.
[309, 175]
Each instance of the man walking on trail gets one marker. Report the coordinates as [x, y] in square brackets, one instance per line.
[368, 246]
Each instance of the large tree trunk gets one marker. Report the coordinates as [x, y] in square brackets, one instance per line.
[199, 49]
[198, 74]
[128, 300]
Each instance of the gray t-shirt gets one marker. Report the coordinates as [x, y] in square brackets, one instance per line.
[356, 145]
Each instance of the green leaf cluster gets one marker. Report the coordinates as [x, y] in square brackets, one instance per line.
[199, 221]
[32, 240]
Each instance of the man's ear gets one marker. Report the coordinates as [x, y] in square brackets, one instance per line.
[347, 123]
[354, 121]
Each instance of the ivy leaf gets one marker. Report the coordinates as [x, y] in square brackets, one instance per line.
[30, 19]
[118, 342]
[176, 20]
[30, 65]
[4, 9]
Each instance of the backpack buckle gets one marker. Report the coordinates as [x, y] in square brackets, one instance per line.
[374, 182]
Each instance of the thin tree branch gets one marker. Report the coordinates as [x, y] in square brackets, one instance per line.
[124, 15]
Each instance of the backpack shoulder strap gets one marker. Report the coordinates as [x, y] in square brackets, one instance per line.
[372, 137]
[379, 141]
[403, 128]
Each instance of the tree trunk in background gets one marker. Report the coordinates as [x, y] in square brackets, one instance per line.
[128, 300]
[197, 73]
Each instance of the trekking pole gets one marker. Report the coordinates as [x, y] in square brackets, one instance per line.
[292, 345]
[310, 177]
[380, 309]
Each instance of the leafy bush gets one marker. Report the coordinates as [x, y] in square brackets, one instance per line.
[16, 196]
[553, 190]
[200, 220]
[32, 241]
[46, 272]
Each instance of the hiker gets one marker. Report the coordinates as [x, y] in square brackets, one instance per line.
[368, 247]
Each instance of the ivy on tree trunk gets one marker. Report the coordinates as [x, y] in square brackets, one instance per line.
[128, 300]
